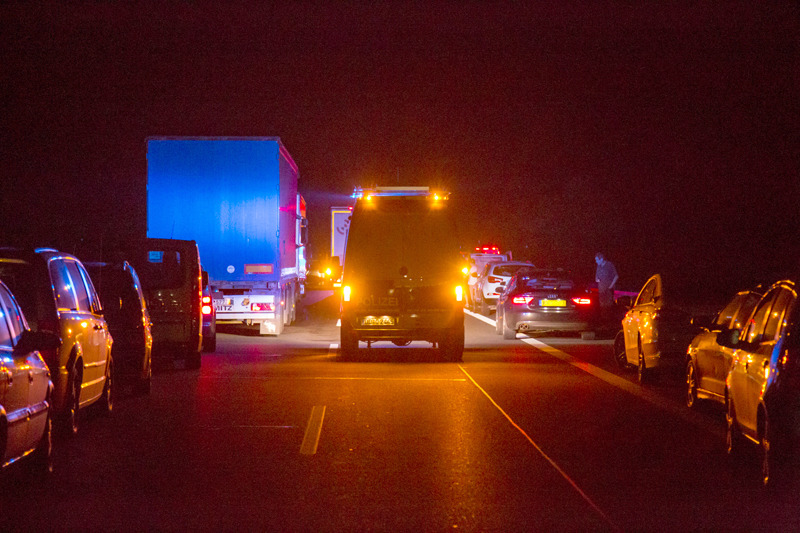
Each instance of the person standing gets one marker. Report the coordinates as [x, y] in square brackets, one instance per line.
[606, 277]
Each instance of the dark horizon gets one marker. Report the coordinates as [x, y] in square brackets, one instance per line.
[665, 136]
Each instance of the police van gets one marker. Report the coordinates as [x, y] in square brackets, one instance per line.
[402, 280]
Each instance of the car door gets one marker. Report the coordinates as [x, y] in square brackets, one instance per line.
[759, 363]
[712, 360]
[632, 322]
[15, 398]
[95, 345]
[38, 375]
[745, 364]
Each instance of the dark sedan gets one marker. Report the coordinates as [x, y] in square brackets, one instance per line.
[541, 300]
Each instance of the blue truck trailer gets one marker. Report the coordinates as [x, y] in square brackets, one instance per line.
[237, 198]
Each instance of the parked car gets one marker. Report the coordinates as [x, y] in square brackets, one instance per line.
[708, 362]
[491, 282]
[762, 393]
[541, 300]
[172, 284]
[657, 329]
[125, 310]
[57, 296]
[209, 318]
[25, 388]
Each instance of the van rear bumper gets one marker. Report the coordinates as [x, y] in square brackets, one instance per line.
[423, 325]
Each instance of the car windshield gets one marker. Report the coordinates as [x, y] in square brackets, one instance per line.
[506, 270]
[543, 277]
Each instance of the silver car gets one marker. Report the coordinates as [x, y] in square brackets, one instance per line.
[491, 282]
[25, 388]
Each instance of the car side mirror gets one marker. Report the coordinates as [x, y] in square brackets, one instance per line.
[728, 338]
[36, 340]
[625, 301]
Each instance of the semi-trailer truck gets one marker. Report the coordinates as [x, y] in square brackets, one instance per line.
[237, 197]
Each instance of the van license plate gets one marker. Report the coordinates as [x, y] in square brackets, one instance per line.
[378, 321]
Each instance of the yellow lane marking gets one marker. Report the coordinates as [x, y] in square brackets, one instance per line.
[313, 430]
[547, 458]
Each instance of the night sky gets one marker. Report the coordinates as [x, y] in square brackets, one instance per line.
[665, 135]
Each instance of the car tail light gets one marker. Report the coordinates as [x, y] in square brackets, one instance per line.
[522, 300]
[262, 306]
[494, 279]
[582, 300]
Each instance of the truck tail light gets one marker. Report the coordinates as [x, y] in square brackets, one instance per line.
[346, 293]
[262, 306]
[522, 300]
[582, 300]
[459, 293]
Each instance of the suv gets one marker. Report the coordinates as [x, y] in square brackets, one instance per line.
[402, 280]
[125, 311]
[57, 296]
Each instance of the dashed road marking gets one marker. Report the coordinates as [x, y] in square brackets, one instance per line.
[313, 431]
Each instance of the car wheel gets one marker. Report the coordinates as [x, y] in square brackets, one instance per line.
[643, 373]
[42, 456]
[484, 306]
[770, 447]
[451, 346]
[193, 359]
[619, 350]
[348, 342]
[210, 344]
[106, 403]
[733, 435]
[691, 385]
[508, 333]
[143, 385]
[73, 401]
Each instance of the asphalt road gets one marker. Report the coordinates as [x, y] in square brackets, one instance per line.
[276, 434]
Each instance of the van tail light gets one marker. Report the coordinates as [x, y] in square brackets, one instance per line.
[494, 279]
[206, 305]
[262, 306]
[522, 300]
[582, 300]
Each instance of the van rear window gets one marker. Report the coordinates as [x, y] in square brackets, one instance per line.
[162, 269]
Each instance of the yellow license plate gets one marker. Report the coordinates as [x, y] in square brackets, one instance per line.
[378, 321]
[553, 303]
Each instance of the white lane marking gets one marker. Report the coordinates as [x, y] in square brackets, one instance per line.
[339, 323]
[313, 430]
[547, 458]
[692, 417]
[333, 347]
[311, 378]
